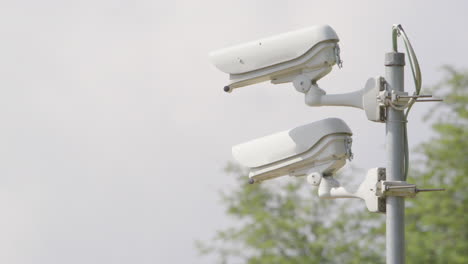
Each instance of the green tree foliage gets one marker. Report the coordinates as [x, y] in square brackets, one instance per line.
[437, 223]
[283, 221]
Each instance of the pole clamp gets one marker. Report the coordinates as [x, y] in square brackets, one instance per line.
[400, 100]
[400, 189]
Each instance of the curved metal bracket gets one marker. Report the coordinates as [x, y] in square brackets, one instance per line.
[330, 188]
[365, 99]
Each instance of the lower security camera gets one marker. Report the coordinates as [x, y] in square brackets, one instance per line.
[311, 51]
[320, 147]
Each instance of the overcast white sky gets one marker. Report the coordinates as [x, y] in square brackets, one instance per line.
[114, 127]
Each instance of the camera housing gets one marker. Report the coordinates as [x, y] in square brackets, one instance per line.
[319, 147]
[280, 59]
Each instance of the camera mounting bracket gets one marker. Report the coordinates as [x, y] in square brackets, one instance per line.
[366, 98]
[373, 189]
[330, 188]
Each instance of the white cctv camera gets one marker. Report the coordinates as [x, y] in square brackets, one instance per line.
[321, 147]
[309, 52]
[316, 150]
[301, 57]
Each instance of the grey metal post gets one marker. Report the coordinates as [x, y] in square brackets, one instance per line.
[395, 233]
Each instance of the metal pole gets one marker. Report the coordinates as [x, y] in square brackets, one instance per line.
[395, 206]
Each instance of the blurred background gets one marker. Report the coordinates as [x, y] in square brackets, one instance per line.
[115, 129]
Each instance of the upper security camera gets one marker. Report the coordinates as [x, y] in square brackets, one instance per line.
[321, 147]
[301, 57]
[308, 54]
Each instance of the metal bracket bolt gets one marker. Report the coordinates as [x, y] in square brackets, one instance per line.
[402, 99]
[400, 189]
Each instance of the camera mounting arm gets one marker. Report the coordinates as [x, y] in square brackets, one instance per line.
[318, 97]
[365, 98]
[373, 189]
[373, 98]
[330, 188]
